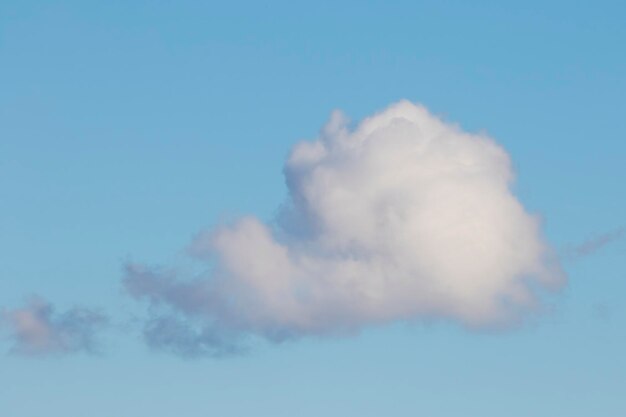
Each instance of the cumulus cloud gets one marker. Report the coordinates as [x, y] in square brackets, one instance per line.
[404, 217]
[36, 329]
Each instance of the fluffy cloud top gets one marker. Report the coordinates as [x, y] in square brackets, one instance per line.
[37, 330]
[404, 217]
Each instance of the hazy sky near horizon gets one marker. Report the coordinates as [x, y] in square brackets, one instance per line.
[133, 133]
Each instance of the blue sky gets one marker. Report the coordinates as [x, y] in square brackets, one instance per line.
[127, 127]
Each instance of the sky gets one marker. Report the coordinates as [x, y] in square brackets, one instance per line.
[329, 208]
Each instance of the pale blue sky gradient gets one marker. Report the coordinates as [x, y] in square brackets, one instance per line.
[126, 127]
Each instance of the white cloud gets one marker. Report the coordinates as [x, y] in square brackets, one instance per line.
[404, 217]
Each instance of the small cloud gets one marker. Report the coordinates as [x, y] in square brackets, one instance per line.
[36, 329]
[596, 243]
[602, 312]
